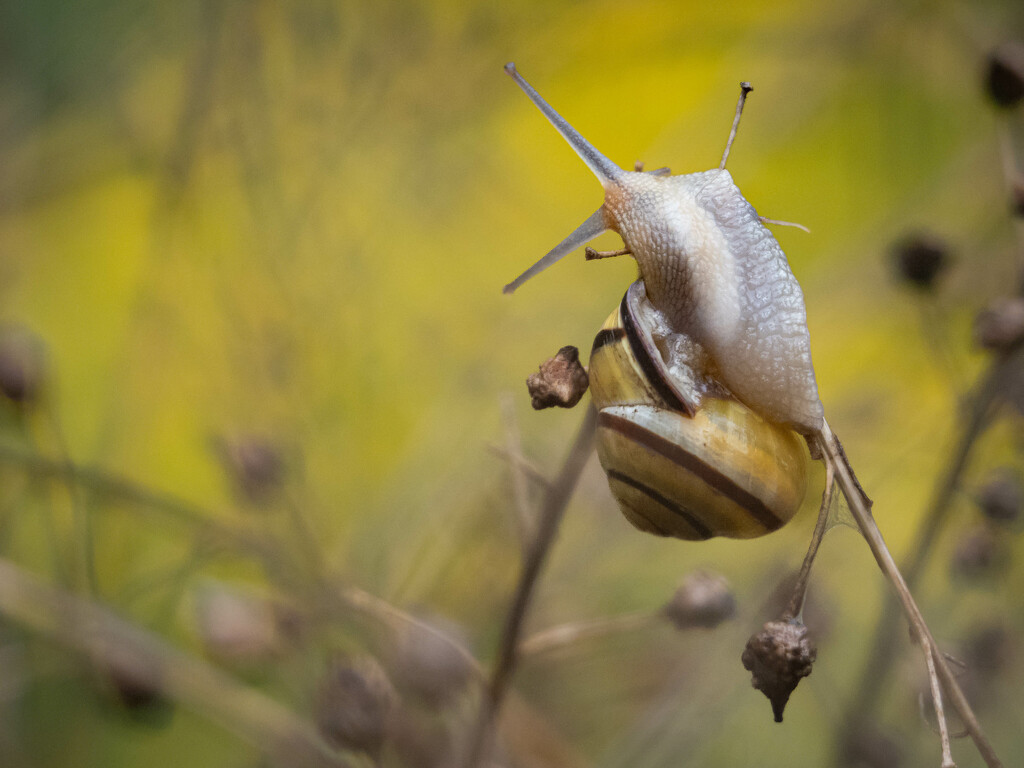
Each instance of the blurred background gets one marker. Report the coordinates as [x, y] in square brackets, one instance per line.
[262, 390]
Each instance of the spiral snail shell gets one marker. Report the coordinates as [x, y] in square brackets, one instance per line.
[723, 471]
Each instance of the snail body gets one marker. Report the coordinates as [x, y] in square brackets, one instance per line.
[722, 471]
[702, 377]
[714, 272]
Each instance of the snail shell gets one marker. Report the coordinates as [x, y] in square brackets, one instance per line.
[722, 471]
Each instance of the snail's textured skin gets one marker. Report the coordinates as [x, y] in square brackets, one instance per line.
[720, 277]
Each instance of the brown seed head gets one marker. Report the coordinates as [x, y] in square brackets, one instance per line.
[562, 381]
[920, 259]
[1004, 75]
[353, 705]
[427, 664]
[778, 657]
[1000, 325]
[1001, 497]
[22, 365]
[704, 599]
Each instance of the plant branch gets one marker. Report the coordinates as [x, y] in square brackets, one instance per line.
[860, 508]
[555, 502]
[573, 632]
[109, 640]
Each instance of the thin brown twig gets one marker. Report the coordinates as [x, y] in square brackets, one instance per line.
[573, 632]
[108, 639]
[555, 502]
[796, 603]
[860, 508]
[525, 517]
[940, 713]
[881, 657]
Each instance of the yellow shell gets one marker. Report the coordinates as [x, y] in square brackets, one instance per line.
[724, 471]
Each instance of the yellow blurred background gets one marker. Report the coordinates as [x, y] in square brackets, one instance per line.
[243, 223]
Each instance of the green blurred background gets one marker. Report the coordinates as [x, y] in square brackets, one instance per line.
[287, 225]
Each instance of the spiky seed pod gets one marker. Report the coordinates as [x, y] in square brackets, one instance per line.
[778, 657]
[353, 705]
[561, 381]
[704, 599]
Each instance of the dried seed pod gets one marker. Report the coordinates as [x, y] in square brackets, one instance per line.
[1004, 75]
[236, 627]
[426, 663]
[978, 553]
[704, 599]
[353, 705]
[920, 259]
[22, 365]
[254, 464]
[1000, 325]
[778, 657]
[561, 382]
[1001, 497]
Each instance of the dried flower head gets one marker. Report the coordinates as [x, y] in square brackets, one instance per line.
[1000, 325]
[978, 553]
[22, 365]
[354, 704]
[561, 382]
[254, 464]
[1001, 497]
[704, 599]
[237, 627]
[778, 657]
[1004, 75]
[427, 664]
[920, 259]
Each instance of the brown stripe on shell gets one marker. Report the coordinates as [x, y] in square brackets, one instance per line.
[651, 371]
[691, 463]
[702, 531]
[607, 336]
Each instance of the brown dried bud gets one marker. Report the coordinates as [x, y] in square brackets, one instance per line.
[1001, 324]
[778, 657]
[133, 679]
[919, 259]
[1001, 497]
[1017, 199]
[978, 553]
[562, 381]
[427, 664]
[989, 650]
[703, 600]
[22, 365]
[238, 628]
[353, 705]
[255, 466]
[1004, 75]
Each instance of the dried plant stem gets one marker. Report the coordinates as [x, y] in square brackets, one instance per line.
[796, 602]
[881, 656]
[555, 501]
[97, 632]
[860, 508]
[568, 634]
[525, 518]
[940, 713]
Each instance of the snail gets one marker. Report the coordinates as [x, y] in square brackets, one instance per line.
[702, 377]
